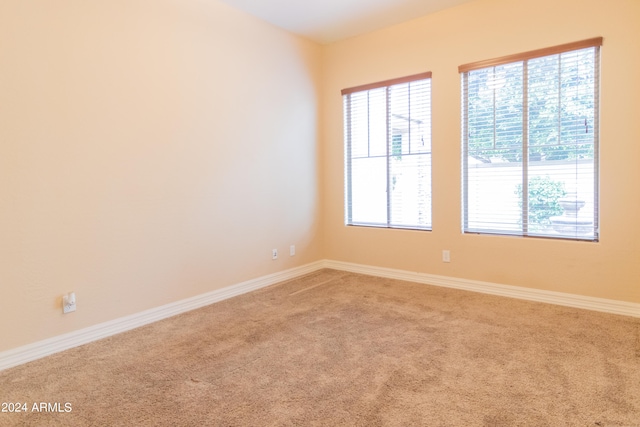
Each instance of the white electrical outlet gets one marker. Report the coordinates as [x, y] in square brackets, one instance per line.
[69, 303]
[446, 256]
[292, 250]
[274, 254]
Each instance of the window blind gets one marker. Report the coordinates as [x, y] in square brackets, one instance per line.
[530, 143]
[387, 128]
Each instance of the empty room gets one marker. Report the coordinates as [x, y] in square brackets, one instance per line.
[371, 213]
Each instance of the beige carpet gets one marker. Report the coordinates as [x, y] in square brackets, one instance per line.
[336, 348]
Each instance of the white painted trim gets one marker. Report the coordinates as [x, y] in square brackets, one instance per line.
[53, 345]
[559, 298]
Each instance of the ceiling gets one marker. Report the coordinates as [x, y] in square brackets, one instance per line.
[327, 21]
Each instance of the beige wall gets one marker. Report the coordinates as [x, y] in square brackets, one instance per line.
[149, 151]
[475, 31]
[155, 150]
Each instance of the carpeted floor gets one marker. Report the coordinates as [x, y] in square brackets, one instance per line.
[335, 348]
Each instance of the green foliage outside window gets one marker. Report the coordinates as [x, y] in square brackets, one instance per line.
[559, 114]
[396, 146]
[544, 196]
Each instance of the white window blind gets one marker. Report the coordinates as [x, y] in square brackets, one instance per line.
[530, 143]
[388, 153]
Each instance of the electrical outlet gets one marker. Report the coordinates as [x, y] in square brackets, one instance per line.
[69, 303]
[274, 254]
[292, 250]
[446, 256]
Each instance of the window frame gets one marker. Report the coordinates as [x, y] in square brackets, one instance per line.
[524, 58]
[390, 142]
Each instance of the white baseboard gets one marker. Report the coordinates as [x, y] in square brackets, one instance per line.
[59, 343]
[53, 345]
[530, 294]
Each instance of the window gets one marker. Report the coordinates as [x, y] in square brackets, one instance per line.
[388, 153]
[530, 143]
